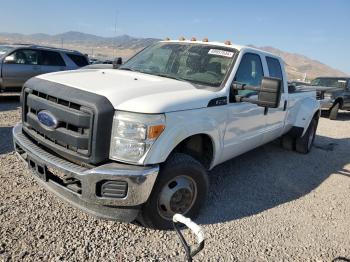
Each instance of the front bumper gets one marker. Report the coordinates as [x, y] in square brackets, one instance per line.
[139, 179]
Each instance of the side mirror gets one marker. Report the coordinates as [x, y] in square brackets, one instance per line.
[270, 92]
[117, 62]
[9, 59]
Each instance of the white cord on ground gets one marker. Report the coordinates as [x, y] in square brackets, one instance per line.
[196, 229]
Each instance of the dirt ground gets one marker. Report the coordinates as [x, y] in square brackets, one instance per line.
[266, 205]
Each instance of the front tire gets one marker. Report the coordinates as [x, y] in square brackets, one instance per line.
[181, 187]
[304, 144]
[333, 112]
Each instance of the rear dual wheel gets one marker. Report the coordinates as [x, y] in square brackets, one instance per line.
[301, 144]
[304, 144]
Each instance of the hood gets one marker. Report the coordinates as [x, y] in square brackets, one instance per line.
[326, 88]
[136, 92]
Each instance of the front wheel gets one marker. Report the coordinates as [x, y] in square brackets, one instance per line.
[333, 112]
[181, 187]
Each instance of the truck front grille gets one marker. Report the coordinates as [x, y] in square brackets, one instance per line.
[75, 122]
[83, 121]
[319, 95]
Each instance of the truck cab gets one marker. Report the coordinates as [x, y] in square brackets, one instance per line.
[137, 142]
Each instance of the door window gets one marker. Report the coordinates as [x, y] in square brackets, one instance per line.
[50, 58]
[274, 66]
[79, 60]
[275, 69]
[250, 72]
[24, 57]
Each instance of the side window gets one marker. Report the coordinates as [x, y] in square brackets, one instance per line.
[250, 71]
[274, 66]
[50, 58]
[79, 60]
[24, 57]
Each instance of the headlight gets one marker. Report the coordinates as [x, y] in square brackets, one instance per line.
[133, 134]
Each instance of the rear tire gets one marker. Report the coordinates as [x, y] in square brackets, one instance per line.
[304, 144]
[181, 187]
[333, 112]
[288, 142]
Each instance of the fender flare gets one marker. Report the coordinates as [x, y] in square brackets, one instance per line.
[307, 110]
[172, 137]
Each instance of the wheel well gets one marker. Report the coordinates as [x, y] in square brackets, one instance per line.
[200, 147]
[317, 114]
[340, 101]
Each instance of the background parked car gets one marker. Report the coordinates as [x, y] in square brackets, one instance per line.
[333, 93]
[18, 63]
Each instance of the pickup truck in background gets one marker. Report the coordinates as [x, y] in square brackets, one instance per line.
[136, 143]
[333, 94]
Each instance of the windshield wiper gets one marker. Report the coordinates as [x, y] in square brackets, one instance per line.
[170, 76]
[127, 69]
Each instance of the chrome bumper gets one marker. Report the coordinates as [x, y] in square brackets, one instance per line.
[140, 180]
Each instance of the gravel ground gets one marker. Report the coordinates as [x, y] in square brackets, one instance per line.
[267, 205]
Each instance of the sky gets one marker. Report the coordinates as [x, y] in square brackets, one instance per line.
[318, 29]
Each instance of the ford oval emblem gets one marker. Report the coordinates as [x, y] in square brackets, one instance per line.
[47, 119]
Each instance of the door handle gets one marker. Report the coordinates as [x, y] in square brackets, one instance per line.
[285, 105]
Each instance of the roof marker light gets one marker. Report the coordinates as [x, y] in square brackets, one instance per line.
[182, 38]
[193, 39]
[167, 39]
[205, 40]
[228, 42]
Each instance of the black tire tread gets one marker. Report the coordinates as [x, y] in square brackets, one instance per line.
[301, 145]
[288, 142]
[147, 215]
[333, 112]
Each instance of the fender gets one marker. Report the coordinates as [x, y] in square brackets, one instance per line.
[306, 112]
[184, 124]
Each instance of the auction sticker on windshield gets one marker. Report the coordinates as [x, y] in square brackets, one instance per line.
[220, 52]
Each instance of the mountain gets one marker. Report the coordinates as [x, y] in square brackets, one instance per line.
[297, 65]
[78, 38]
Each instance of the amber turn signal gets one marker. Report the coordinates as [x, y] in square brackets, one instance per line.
[155, 131]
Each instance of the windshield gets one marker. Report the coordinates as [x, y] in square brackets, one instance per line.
[196, 63]
[4, 49]
[331, 82]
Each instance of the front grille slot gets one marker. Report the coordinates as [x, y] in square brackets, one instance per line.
[112, 189]
[75, 123]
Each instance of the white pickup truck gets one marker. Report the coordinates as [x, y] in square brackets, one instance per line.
[137, 142]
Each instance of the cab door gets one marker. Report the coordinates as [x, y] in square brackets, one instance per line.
[276, 116]
[19, 66]
[246, 122]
